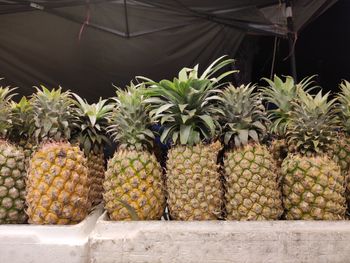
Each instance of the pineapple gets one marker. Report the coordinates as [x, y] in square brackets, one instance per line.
[313, 186]
[341, 150]
[133, 182]
[91, 137]
[185, 108]
[279, 95]
[252, 189]
[12, 168]
[57, 184]
[22, 127]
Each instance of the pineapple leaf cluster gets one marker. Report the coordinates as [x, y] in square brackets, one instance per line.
[129, 123]
[23, 121]
[92, 124]
[243, 115]
[279, 95]
[53, 114]
[6, 95]
[312, 123]
[186, 106]
[344, 105]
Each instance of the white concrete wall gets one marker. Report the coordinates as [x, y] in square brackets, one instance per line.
[47, 244]
[220, 242]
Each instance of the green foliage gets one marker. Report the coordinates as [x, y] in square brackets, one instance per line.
[23, 120]
[344, 105]
[186, 107]
[244, 118]
[129, 123]
[53, 114]
[92, 124]
[280, 95]
[312, 123]
[6, 95]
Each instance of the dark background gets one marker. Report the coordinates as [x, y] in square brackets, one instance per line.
[57, 57]
[322, 48]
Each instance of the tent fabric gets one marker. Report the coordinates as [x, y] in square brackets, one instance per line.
[87, 45]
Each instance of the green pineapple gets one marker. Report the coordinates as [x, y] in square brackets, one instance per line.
[252, 190]
[186, 110]
[57, 184]
[92, 139]
[12, 167]
[313, 186]
[133, 182]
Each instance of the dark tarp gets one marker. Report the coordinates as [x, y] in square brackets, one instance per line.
[46, 42]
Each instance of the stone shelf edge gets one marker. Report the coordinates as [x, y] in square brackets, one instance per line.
[47, 244]
[220, 242]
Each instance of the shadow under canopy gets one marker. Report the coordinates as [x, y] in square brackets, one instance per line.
[87, 45]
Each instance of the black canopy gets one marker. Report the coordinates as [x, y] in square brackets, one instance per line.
[87, 45]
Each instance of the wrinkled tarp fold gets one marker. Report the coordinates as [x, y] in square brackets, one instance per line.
[87, 45]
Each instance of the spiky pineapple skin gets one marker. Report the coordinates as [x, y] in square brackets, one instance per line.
[340, 152]
[194, 184]
[57, 186]
[28, 147]
[134, 178]
[12, 184]
[96, 167]
[313, 188]
[251, 183]
[279, 150]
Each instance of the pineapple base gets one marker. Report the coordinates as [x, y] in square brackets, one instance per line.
[134, 186]
[251, 183]
[12, 184]
[57, 187]
[313, 188]
[194, 184]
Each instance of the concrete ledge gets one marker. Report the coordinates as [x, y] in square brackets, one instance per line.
[47, 243]
[220, 242]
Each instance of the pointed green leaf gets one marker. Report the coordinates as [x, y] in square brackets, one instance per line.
[185, 131]
[243, 136]
[208, 122]
[182, 107]
[254, 135]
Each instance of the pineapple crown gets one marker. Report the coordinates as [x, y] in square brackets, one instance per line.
[6, 95]
[312, 123]
[280, 95]
[23, 121]
[344, 105]
[185, 107]
[129, 123]
[53, 114]
[92, 124]
[243, 115]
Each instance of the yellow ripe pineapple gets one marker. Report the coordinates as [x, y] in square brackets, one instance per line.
[12, 167]
[57, 183]
[313, 186]
[185, 108]
[251, 177]
[90, 134]
[134, 188]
